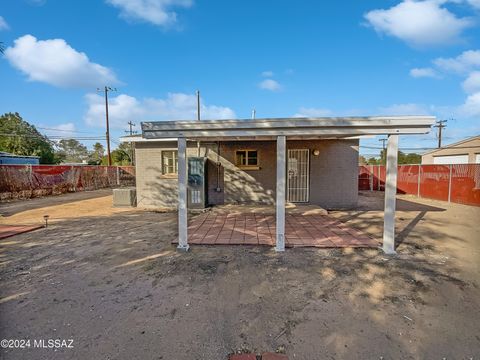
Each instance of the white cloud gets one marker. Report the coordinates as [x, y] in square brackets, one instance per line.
[157, 12]
[471, 107]
[313, 112]
[57, 63]
[472, 82]
[474, 3]
[3, 24]
[176, 106]
[463, 63]
[423, 72]
[419, 23]
[270, 84]
[404, 109]
[267, 73]
[64, 130]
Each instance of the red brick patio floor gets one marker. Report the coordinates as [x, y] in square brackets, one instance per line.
[259, 229]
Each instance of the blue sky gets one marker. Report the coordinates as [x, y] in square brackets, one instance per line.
[283, 58]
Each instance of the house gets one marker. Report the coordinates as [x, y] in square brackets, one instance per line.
[13, 159]
[466, 151]
[263, 161]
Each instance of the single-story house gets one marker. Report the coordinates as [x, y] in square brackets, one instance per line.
[263, 161]
[7, 158]
[466, 151]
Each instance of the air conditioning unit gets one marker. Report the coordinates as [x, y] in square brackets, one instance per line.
[125, 197]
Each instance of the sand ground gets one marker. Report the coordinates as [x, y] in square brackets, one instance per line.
[110, 280]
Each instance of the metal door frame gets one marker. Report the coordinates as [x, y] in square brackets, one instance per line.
[307, 174]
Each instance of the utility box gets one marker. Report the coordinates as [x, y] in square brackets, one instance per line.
[197, 183]
[125, 197]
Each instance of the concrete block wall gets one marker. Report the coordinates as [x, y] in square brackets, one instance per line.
[333, 173]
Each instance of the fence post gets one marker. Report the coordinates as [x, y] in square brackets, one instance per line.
[370, 177]
[450, 182]
[378, 178]
[118, 175]
[419, 176]
[72, 175]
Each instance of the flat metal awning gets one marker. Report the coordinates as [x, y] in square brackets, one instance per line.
[263, 129]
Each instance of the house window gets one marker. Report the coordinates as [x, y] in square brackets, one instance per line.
[169, 162]
[246, 159]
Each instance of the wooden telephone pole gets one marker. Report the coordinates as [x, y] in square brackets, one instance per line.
[107, 134]
[440, 125]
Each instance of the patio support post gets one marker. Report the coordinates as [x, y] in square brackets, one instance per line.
[182, 195]
[280, 203]
[390, 193]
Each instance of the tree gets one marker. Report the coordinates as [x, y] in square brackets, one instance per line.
[72, 151]
[403, 159]
[96, 155]
[121, 155]
[19, 137]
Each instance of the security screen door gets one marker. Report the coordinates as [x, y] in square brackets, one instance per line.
[298, 175]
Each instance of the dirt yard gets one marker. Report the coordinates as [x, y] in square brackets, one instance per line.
[110, 280]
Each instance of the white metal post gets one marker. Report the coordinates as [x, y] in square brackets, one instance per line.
[390, 195]
[118, 175]
[450, 182]
[182, 195]
[280, 203]
[419, 179]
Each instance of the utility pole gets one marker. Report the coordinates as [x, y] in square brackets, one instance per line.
[384, 155]
[440, 125]
[131, 131]
[106, 90]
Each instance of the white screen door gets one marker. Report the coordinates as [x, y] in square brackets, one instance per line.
[298, 173]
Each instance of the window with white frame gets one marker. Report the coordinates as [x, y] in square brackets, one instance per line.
[169, 162]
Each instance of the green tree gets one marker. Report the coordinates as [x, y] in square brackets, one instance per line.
[96, 155]
[72, 151]
[19, 137]
[121, 155]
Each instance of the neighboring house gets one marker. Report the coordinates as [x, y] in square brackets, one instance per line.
[12, 159]
[466, 151]
[192, 164]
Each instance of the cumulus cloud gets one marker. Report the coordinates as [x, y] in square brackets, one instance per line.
[423, 72]
[56, 63]
[267, 73]
[270, 84]
[3, 24]
[471, 106]
[64, 130]
[463, 63]
[419, 23]
[313, 112]
[157, 12]
[176, 106]
[472, 82]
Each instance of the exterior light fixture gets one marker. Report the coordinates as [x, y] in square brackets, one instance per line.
[316, 152]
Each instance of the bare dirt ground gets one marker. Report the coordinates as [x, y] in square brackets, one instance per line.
[110, 280]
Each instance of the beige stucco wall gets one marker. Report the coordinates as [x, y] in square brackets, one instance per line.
[333, 174]
[471, 148]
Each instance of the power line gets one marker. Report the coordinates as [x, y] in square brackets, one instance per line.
[64, 130]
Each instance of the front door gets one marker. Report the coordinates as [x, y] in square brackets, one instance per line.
[298, 175]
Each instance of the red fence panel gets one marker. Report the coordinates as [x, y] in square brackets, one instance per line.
[434, 180]
[26, 181]
[455, 183]
[407, 179]
[465, 184]
[364, 177]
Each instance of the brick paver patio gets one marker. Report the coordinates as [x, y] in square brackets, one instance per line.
[259, 229]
